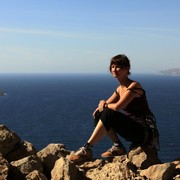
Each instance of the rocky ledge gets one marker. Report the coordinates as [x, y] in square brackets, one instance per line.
[20, 160]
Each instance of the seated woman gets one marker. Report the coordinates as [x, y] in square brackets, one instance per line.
[124, 113]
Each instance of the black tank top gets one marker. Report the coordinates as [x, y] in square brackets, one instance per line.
[139, 105]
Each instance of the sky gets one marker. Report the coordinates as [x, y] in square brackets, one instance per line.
[81, 36]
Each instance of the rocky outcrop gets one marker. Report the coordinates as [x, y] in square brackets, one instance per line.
[8, 140]
[22, 150]
[50, 154]
[63, 169]
[4, 168]
[21, 168]
[20, 160]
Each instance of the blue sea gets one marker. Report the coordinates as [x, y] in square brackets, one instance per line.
[57, 108]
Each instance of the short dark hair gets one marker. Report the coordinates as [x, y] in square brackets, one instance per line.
[120, 60]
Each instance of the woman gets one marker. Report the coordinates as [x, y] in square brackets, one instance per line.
[125, 113]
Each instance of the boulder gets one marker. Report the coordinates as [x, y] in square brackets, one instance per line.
[4, 168]
[143, 157]
[177, 168]
[50, 154]
[109, 169]
[8, 140]
[164, 171]
[22, 150]
[20, 168]
[63, 169]
[52, 163]
[36, 175]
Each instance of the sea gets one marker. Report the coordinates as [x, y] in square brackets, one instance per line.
[57, 108]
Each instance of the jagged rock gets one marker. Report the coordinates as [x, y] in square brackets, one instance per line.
[177, 168]
[8, 140]
[139, 164]
[23, 150]
[4, 168]
[143, 157]
[63, 169]
[20, 168]
[177, 177]
[36, 175]
[50, 154]
[115, 169]
[164, 171]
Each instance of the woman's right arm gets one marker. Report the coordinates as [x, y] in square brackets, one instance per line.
[113, 98]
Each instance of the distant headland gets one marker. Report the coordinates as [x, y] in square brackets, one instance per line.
[171, 72]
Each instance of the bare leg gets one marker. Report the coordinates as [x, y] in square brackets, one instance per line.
[98, 133]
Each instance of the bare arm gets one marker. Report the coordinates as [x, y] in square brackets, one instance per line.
[113, 98]
[125, 99]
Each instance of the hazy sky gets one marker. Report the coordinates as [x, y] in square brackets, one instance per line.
[82, 35]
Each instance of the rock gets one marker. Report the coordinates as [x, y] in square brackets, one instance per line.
[177, 167]
[109, 169]
[63, 169]
[20, 168]
[164, 171]
[8, 140]
[23, 150]
[177, 177]
[50, 154]
[52, 163]
[36, 175]
[143, 157]
[4, 168]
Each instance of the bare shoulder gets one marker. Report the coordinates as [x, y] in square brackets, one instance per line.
[137, 88]
[135, 84]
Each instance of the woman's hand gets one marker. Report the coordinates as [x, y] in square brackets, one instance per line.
[102, 103]
[96, 111]
[100, 107]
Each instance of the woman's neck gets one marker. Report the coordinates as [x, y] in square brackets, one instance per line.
[125, 82]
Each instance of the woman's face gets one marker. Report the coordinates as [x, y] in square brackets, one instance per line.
[117, 71]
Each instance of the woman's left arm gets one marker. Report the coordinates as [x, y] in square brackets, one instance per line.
[104, 103]
[125, 99]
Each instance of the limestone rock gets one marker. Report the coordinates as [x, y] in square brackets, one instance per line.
[20, 168]
[8, 140]
[50, 154]
[177, 167]
[23, 150]
[139, 164]
[164, 171]
[64, 170]
[143, 157]
[36, 175]
[111, 169]
[4, 168]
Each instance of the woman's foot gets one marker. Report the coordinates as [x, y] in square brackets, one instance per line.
[82, 155]
[114, 151]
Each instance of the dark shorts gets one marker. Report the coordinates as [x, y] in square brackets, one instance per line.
[122, 124]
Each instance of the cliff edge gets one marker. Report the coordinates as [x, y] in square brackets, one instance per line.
[20, 160]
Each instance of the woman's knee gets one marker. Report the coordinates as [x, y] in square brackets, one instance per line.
[108, 111]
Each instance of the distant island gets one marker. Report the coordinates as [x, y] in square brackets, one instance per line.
[2, 93]
[171, 72]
